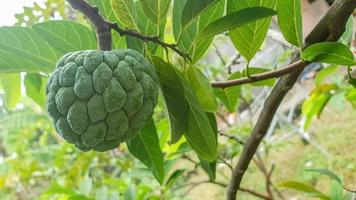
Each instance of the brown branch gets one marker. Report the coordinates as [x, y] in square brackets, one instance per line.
[218, 53]
[231, 63]
[154, 39]
[262, 76]
[330, 28]
[349, 190]
[269, 182]
[103, 30]
[225, 163]
[232, 137]
[222, 117]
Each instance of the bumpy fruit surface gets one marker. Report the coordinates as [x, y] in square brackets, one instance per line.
[98, 99]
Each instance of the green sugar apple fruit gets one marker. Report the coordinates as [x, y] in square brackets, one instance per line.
[98, 99]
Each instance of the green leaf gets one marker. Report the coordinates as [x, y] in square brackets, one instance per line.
[202, 88]
[325, 72]
[186, 38]
[213, 123]
[229, 97]
[145, 147]
[178, 6]
[125, 12]
[173, 93]
[290, 21]
[22, 50]
[199, 133]
[198, 48]
[118, 42]
[249, 38]
[213, 13]
[210, 166]
[66, 36]
[346, 37]
[173, 178]
[134, 43]
[316, 103]
[235, 20]
[105, 9]
[12, 87]
[35, 86]
[351, 97]
[156, 10]
[336, 191]
[352, 81]
[328, 173]
[193, 8]
[183, 147]
[304, 188]
[329, 52]
[147, 27]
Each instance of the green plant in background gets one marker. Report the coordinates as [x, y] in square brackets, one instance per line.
[134, 71]
[337, 190]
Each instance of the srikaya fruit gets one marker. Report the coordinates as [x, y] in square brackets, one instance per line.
[98, 99]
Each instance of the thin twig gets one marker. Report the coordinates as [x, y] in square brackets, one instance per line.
[269, 182]
[349, 190]
[184, 156]
[232, 137]
[232, 62]
[222, 117]
[262, 167]
[154, 39]
[218, 53]
[262, 76]
[329, 28]
[226, 163]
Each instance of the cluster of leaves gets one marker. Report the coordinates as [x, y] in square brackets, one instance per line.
[29, 54]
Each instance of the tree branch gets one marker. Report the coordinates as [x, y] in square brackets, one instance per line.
[330, 28]
[262, 76]
[232, 137]
[103, 30]
[154, 39]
